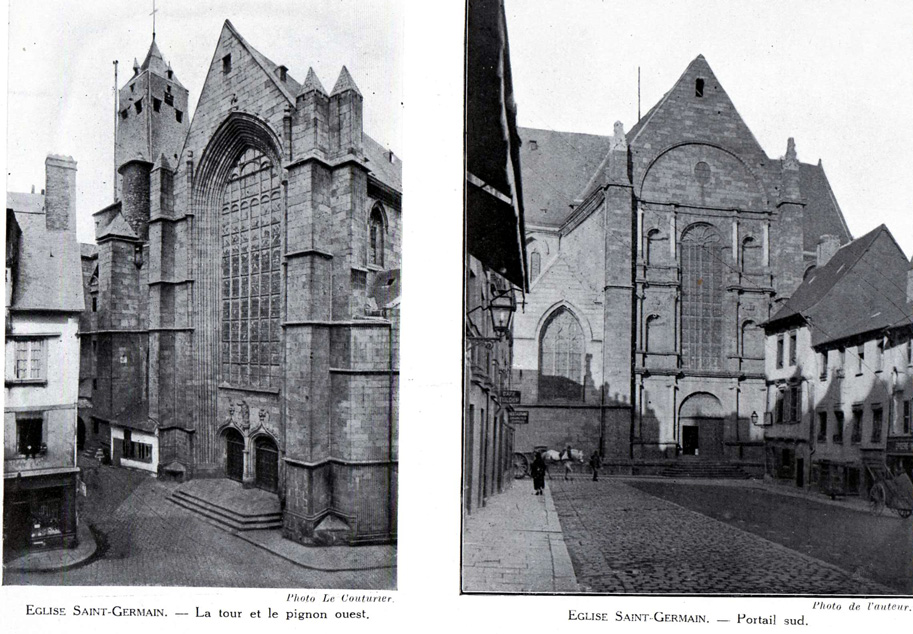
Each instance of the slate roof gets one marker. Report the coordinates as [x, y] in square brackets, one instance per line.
[135, 415]
[822, 215]
[289, 87]
[87, 250]
[49, 267]
[861, 289]
[379, 163]
[155, 63]
[117, 227]
[556, 171]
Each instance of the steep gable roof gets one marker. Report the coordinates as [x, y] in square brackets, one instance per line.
[555, 167]
[49, 275]
[822, 214]
[859, 290]
[289, 88]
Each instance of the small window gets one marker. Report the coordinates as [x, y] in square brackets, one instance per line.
[178, 116]
[226, 64]
[138, 105]
[860, 358]
[857, 425]
[795, 412]
[170, 74]
[698, 87]
[95, 387]
[907, 416]
[780, 351]
[156, 104]
[124, 113]
[793, 337]
[822, 365]
[879, 355]
[94, 306]
[838, 425]
[30, 435]
[169, 98]
[822, 426]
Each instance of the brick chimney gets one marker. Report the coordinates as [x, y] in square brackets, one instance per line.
[60, 193]
[827, 247]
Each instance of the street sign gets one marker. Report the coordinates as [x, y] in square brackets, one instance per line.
[510, 397]
[518, 418]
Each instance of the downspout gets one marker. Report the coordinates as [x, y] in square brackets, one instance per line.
[391, 503]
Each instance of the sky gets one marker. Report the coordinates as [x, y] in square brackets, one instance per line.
[61, 71]
[836, 75]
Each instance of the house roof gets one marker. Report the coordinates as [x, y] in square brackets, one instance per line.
[49, 266]
[135, 415]
[555, 167]
[88, 251]
[860, 289]
[117, 227]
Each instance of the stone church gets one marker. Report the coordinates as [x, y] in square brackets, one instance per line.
[654, 256]
[242, 303]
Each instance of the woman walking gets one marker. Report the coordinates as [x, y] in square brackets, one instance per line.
[538, 469]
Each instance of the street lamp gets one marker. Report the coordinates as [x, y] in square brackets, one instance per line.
[502, 308]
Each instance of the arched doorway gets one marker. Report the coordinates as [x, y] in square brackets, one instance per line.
[701, 421]
[267, 462]
[234, 455]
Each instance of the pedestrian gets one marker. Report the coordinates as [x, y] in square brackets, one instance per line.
[595, 464]
[566, 459]
[537, 469]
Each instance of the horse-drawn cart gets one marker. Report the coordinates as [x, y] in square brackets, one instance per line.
[523, 460]
[894, 492]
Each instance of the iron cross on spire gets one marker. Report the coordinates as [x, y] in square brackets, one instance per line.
[154, 11]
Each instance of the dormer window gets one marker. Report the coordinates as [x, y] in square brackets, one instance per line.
[282, 72]
[226, 64]
[139, 106]
[698, 87]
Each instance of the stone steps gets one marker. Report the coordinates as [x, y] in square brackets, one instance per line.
[704, 469]
[225, 516]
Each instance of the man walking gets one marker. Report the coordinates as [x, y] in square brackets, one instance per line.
[595, 464]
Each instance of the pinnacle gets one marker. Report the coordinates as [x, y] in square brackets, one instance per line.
[345, 82]
[311, 82]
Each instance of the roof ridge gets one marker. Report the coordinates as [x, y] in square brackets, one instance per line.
[259, 58]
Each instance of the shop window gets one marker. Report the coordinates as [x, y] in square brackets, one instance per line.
[30, 436]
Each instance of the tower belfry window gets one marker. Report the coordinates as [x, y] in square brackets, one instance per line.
[138, 105]
[169, 98]
[178, 115]
[156, 104]
[698, 87]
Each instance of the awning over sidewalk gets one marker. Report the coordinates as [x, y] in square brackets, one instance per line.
[494, 208]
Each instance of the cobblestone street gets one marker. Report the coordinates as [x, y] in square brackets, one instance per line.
[144, 539]
[622, 540]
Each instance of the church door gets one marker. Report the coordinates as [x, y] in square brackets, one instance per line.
[690, 438]
[234, 462]
[267, 476]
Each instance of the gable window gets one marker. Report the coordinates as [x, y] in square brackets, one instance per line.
[699, 87]
[226, 64]
[29, 361]
[838, 426]
[877, 421]
[561, 358]
[30, 435]
[702, 298]
[857, 424]
[376, 238]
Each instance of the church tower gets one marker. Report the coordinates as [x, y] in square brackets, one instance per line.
[152, 123]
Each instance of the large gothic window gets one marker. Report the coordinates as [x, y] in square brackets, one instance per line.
[251, 261]
[561, 358]
[702, 298]
[535, 265]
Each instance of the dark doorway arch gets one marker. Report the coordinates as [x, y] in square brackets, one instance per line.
[234, 455]
[701, 420]
[267, 463]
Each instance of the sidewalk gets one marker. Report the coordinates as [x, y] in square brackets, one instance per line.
[56, 559]
[515, 544]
